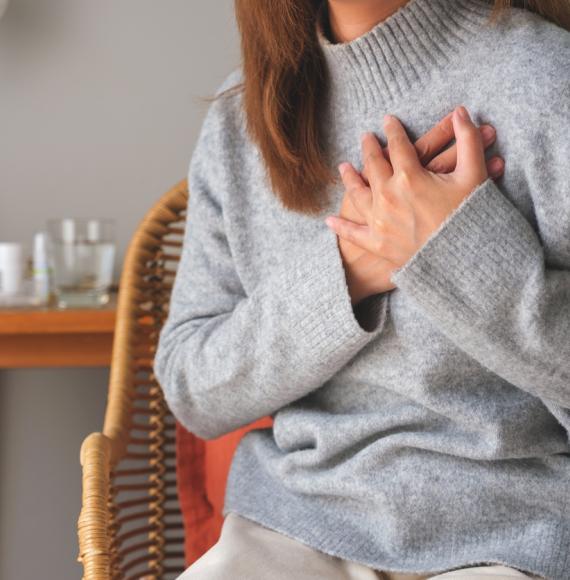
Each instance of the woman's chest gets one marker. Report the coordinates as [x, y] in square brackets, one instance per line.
[262, 232]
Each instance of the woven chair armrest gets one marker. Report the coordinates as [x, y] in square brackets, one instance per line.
[93, 523]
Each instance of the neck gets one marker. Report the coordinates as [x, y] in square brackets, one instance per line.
[349, 19]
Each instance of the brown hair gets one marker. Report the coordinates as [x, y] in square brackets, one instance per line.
[284, 79]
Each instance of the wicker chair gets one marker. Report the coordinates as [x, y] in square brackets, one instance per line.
[130, 524]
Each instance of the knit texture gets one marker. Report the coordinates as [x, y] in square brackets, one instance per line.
[426, 429]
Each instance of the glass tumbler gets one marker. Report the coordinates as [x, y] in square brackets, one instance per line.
[83, 260]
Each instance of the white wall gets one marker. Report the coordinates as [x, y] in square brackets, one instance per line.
[99, 112]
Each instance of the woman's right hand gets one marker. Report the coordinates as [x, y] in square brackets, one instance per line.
[362, 267]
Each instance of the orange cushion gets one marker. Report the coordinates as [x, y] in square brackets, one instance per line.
[202, 469]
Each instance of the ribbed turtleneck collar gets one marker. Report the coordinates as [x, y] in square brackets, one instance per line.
[400, 51]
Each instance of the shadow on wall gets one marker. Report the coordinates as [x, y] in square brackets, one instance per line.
[36, 20]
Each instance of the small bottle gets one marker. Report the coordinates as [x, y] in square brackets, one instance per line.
[42, 285]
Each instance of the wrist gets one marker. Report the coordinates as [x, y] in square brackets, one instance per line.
[358, 291]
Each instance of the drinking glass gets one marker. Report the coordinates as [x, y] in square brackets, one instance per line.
[83, 259]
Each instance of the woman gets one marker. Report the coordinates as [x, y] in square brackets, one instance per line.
[414, 354]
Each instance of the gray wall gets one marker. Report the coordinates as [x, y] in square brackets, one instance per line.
[99, 112]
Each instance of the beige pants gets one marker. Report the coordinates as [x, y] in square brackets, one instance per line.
[248, 551]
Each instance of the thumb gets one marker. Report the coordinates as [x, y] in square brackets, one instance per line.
[470, 150]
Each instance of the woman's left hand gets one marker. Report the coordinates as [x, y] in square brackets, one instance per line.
[405, 203]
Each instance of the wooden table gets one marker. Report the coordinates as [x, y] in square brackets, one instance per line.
[48, 337]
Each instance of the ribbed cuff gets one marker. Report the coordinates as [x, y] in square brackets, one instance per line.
[476, 261]
[320, 303]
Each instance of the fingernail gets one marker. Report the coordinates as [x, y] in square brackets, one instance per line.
[463, 113]
[487, 131]
[496, 165]
[330, 221]
[388, 118]
[343, 167]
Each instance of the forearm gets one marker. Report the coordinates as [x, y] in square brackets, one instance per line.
[287, 338]
[483, 280]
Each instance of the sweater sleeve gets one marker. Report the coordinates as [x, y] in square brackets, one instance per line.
[226, 358]
[484, 280]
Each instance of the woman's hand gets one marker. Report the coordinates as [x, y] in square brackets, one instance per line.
[432, 142]
[402, 203]
[363, 267]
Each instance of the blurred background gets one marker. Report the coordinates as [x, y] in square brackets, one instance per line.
[99, 112]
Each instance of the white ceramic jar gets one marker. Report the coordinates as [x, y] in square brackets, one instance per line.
[11, 268]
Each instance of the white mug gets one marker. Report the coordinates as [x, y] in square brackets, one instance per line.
[11, 268]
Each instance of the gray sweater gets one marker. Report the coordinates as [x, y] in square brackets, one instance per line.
[426, 429]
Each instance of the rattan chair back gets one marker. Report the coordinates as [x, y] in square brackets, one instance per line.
[130, 524]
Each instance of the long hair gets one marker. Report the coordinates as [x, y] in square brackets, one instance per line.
[283, 83]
